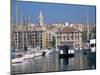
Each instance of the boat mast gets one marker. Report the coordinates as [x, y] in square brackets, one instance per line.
[29, 20]
[22, 31]
[27, 41]
[30, 36]
[12, 34]
[88, 31]
[17, 26]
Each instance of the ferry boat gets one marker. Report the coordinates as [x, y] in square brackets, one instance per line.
[71, 52]
[66, 51]
[92, 52]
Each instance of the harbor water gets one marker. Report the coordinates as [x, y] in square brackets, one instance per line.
[52, 63]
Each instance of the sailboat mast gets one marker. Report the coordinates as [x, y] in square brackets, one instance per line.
[17, 26]
[88, 32]
[29, 20]
[21, 23]
[30, 36]
[27, 41]
[12, 34]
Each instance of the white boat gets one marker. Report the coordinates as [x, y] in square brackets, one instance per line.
[28, 56]
[93, 45]
[18, 57]
[33, 53]
[18, 60]
[92, 50]
[38, 52]
[71, 51]
[57, 49]
[47, 52]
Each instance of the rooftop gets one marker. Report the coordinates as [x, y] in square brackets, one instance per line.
[68, 30]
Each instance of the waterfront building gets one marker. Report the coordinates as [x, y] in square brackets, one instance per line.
[69, 36]
[26, 35]
[90, 27]
[40, 35]
[82, 27]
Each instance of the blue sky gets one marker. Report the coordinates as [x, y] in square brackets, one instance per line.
[54, 12]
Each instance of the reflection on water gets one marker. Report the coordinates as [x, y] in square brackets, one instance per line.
[52, 63]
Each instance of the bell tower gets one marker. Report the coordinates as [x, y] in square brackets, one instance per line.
[40, 19]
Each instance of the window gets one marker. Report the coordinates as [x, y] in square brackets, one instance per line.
[78, 45]
[15, 32]
[93, 45]
[64, 37]
[15, 35]
[19, 32]
[41, 40]
[67, 38]
[59, 37]
[72, 36]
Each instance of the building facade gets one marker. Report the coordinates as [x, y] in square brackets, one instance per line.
[70, 37]
[40, 35]
[26, 35]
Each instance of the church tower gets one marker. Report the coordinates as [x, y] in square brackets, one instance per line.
[40, 19]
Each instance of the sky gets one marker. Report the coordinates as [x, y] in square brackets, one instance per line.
[54, 12]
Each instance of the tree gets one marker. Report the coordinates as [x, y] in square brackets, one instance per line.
[25, 48]
[94, 32]
[53, 42]
[84, 36]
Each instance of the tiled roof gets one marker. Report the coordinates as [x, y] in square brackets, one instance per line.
[68, 30]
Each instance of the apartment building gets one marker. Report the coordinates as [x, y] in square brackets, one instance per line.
[69, 36]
